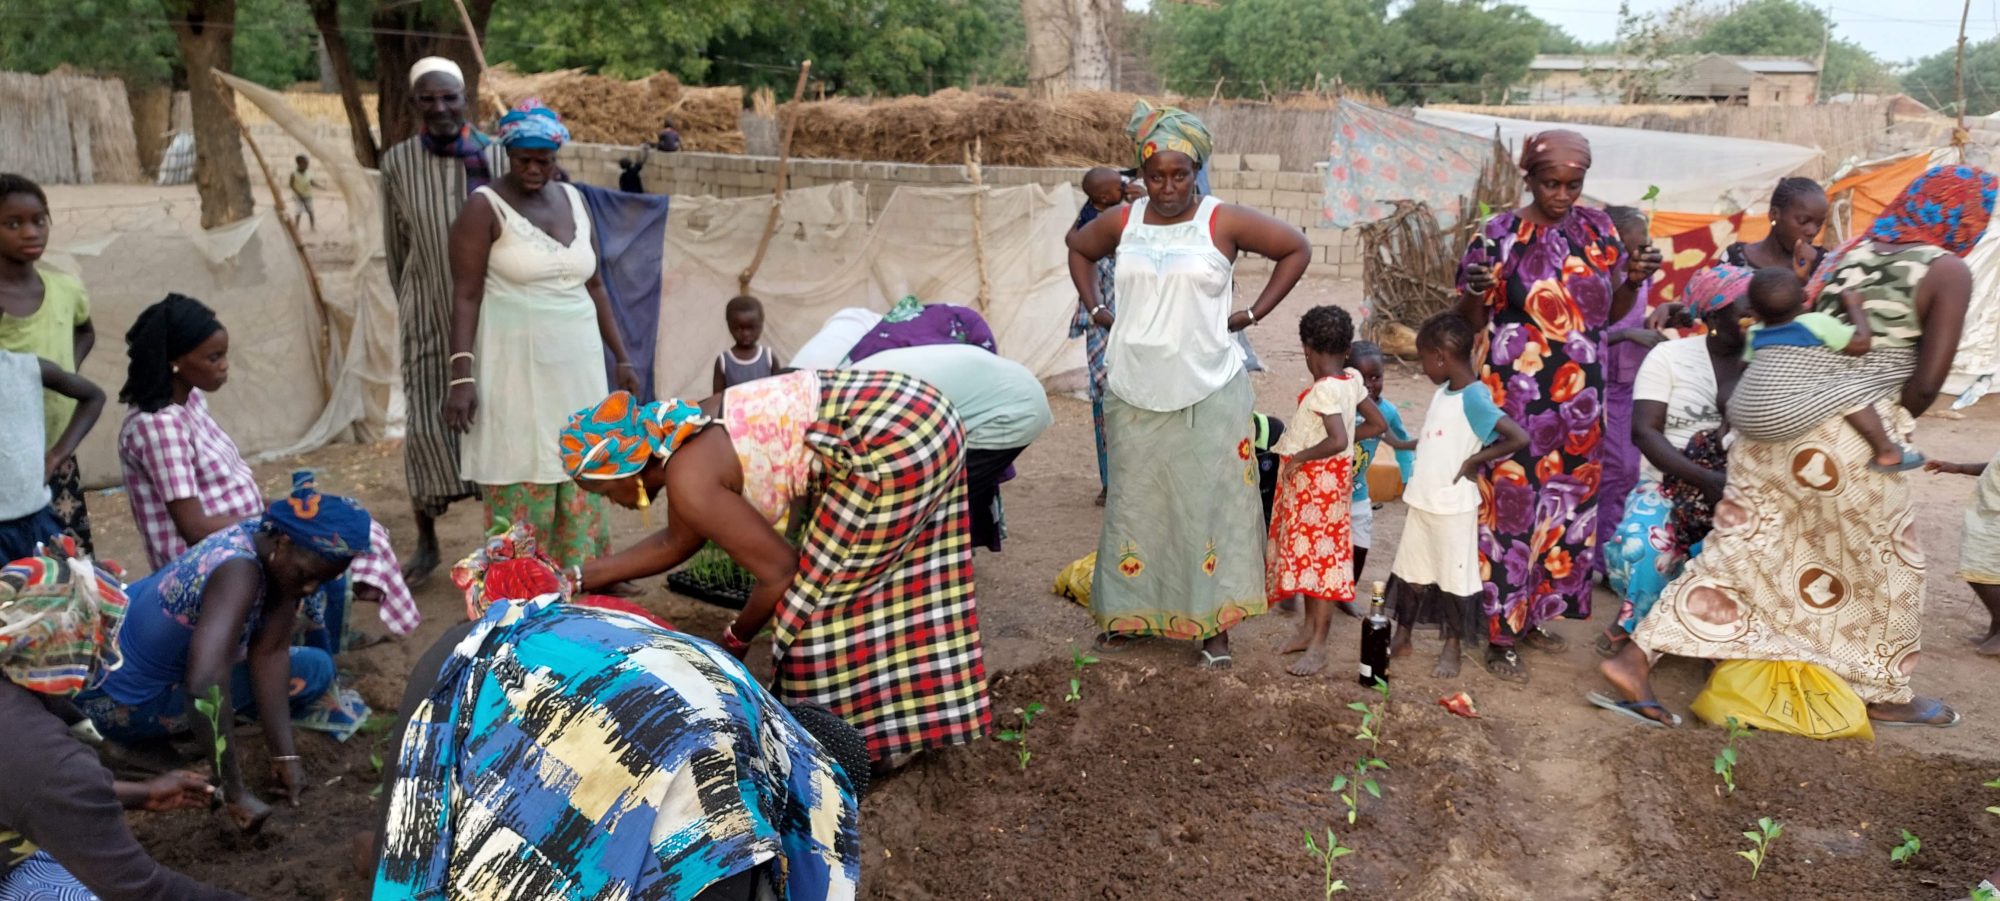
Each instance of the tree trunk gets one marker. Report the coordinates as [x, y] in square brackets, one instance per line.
[1047, 24]
[1091, 52]
[405, 34]
[205, 29]
[326, 15]
[1070, 46]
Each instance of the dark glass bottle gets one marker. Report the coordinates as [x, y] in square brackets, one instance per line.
[1375, 633]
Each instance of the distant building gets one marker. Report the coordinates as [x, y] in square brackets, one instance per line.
[1606, 80]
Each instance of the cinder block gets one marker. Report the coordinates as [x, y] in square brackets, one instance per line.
[1225, 181]
[1261, 199]
[1224, 162]
[1261, 162]
[1300, 181]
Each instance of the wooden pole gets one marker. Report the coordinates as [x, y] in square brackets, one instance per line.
[471, 34]
[291, 230]
[1959, 136]
[972, 153]
[778, 192]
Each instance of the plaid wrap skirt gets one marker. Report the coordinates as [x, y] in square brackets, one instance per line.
[880, 624]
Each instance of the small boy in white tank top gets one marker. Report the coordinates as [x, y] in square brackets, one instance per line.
[748, 359]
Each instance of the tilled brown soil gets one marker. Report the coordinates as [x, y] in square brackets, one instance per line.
[1843, 806]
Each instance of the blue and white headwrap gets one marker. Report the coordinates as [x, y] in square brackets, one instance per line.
[532, 126]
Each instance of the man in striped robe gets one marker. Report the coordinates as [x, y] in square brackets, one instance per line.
[425, 182]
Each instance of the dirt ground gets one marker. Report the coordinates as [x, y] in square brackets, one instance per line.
[1162, 781]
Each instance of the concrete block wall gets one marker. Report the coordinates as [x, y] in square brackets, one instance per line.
[1253, 181]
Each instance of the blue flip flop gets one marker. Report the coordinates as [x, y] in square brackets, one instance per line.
[1924, 721]
[1630, 709]
[1911, 460]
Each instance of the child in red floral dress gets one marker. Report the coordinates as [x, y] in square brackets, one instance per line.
[1310, 554]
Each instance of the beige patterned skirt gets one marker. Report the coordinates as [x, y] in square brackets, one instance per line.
[1813, 558]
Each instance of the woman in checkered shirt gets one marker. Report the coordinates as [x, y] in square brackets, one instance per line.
[186, 480]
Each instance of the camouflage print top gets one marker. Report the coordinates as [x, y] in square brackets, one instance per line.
[1887, 284]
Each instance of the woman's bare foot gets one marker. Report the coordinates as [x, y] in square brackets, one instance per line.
[1447, 665]
[247, 813]
[1399, 645]
[1312, 663]
[1630, 675]
[1990, 647]
[1914, 712]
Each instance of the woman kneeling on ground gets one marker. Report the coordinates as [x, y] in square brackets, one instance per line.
[598, 778]
[209, 636]
[872, 613]
[1679, 398]
[63, 833]
[1814, 556]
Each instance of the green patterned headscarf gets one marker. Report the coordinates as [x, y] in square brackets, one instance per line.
[1168, 128]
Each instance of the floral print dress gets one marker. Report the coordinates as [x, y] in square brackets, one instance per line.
[1539, 355]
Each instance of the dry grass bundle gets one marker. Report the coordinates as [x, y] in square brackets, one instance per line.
[609, 111]
[1082, 129]
[68, 129]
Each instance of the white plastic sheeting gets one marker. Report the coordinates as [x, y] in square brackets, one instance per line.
[826, 256]
[249, 273]
[1695, 173]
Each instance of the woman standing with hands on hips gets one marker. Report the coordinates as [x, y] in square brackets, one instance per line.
[529, 321]
[1181, 554]
[1542, 281]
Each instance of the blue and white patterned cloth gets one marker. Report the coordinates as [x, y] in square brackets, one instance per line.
[40, 878]
[573, 753]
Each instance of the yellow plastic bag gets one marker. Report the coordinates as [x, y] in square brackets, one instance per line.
[1073, 581]
[1783, 696]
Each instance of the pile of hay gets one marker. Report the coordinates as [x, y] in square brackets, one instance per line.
[603, 110]
[1082, 129]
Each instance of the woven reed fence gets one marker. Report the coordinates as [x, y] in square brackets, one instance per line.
[67, 129]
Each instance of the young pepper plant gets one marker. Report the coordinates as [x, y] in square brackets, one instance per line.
[1326, 856]
[1019, 737]
[1725, 759]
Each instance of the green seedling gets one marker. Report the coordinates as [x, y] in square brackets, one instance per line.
[1908, 849]
[1077, 661]
[1725, 759]
[1019, 737]
[1767, 831]
[1326, 856]
[1350, 786]
[1984, 892]
[1993, 810]
[209, 706]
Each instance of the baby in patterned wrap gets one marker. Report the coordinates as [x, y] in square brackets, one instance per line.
[1777, 298]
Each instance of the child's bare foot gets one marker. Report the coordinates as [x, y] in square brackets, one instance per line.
[1447, 665]
[1301, 637]
[1100, 497]
[1311, 664]
[1399, 646]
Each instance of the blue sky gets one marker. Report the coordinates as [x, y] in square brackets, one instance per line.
[1905, 30]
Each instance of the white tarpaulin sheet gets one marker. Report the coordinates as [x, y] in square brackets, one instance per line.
[1695, 173]
[826, 257]
[250, 274]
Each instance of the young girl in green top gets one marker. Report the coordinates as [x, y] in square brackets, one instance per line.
[44, 313]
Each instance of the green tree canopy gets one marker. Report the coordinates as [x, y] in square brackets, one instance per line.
[1460, 51]
[1933, 80]
[129, 39]
[1275, 46]
[1792, 28]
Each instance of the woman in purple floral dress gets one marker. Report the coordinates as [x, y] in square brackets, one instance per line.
[1542, 281]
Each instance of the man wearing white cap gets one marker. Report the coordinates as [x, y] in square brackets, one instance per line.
[425, 182]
